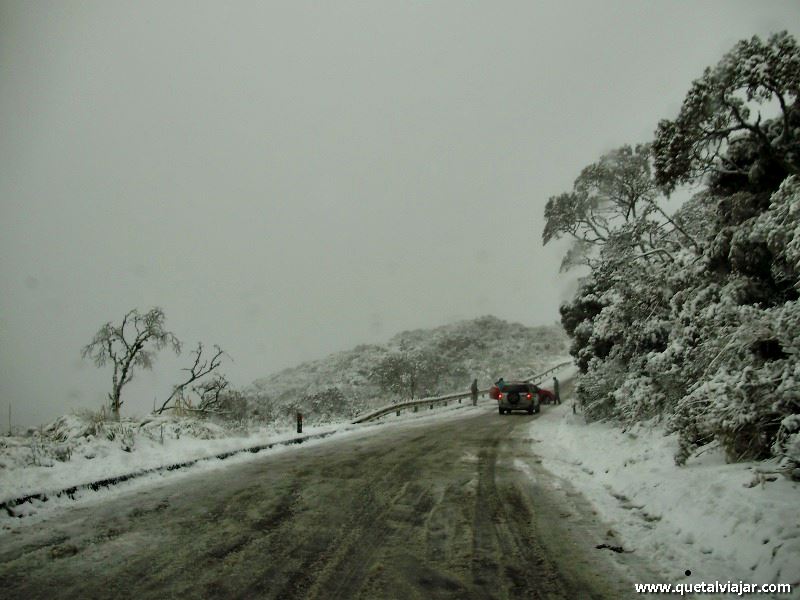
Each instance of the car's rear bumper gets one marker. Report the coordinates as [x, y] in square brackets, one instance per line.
[526, 405]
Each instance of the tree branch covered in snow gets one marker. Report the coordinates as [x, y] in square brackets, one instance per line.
[723, 105]
[614, 208]
[208, 392]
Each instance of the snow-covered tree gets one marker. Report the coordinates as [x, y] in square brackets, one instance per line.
[328, 404]
[745, 331]
[606, 193]
[706, 335]
[208, 393]
[724, 106]
[130, 345]
[613, 207]
[408, 371]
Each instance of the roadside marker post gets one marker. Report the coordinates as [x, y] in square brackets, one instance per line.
[299, 422]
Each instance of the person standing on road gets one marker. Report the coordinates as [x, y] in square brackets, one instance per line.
[555, 390]
[474, 390]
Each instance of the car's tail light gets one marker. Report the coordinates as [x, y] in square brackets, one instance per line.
[499, 396]
[530, 396]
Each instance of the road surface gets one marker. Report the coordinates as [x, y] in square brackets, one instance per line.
[443, 508]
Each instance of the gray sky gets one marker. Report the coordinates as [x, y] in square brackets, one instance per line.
[290, 179]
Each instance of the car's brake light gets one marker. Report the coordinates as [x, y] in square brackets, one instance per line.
[499, 396]
[530, 396]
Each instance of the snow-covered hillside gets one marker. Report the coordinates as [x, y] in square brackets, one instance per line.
[344, 383]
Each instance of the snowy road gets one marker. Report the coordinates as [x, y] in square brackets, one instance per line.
[442, 508]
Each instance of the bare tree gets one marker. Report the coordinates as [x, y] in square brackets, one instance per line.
[130, 345]
[199, 369]
[211, 394]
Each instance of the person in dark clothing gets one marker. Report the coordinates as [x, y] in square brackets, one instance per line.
[500, 383]
[474, 391]
[555, 390]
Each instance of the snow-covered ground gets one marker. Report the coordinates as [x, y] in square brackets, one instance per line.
[42, 464]
[73, 451]
[723, 522]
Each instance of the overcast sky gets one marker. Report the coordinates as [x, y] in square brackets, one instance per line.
[291, 179]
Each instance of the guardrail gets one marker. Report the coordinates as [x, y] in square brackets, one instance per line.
[537, 378]
[415, 404]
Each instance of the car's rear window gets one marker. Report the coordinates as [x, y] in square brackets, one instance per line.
[515, 387]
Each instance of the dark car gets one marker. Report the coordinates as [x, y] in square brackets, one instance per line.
[516, 395]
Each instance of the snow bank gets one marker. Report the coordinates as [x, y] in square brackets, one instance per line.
[720, 521]
[75, 450]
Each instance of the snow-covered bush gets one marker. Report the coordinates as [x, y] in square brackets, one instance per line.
[696, 316]
[638, 398]
[719, 356]
[779, 228]
[596, 387]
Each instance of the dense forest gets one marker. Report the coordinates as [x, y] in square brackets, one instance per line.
[691, 316]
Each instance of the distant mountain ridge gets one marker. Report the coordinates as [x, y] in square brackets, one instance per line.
[347, 382]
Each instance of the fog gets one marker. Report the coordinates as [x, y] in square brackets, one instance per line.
[291, 179]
